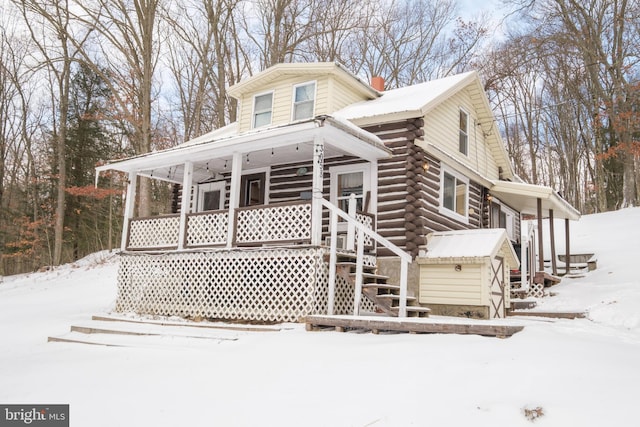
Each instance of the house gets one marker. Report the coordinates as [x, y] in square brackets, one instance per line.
[321, 199]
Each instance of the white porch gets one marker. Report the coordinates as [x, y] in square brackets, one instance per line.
[263, 262]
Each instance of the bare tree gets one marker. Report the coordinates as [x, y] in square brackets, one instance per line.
[203, 58]
[58, 48]
[605, 38]
[409, 42]
[127, 41]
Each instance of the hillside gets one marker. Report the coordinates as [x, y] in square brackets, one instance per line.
[566, 372]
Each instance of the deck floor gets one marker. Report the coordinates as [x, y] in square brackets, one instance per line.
[430, 325]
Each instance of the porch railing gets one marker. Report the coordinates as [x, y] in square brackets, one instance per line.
[160, 232]
[255, 225]
[277, 223]
[207, 229]
[363, 234]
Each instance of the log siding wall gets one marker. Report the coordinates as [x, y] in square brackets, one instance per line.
[408, 193]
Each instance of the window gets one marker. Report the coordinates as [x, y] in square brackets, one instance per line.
[262, 107]
[211, 196]
[252, 189]
[503, 217]
[349, 179]
[454, 195]
[463, 143]
[350, 183]
[303, 101]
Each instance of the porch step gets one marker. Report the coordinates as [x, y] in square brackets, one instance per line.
[383, 288]
[375, 287]
[371, 278]
[417, 311]
[394, 299]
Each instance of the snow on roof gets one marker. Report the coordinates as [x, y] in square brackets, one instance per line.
[466, 243]
[409, 99]
[223, 132]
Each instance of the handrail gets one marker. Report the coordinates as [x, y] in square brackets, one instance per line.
[405, 259]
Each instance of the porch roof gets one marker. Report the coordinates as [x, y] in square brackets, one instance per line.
[212, 153]
[523, 197]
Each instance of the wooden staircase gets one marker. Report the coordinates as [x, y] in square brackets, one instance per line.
[377, 289]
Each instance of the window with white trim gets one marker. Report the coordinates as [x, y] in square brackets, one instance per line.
[454, 195]
[463, 140]
[347, 180]
[304, 96]
[262, 109]
[211, 196]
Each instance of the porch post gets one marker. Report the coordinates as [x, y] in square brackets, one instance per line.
[567, 251]
[316, 191]
[524, 264]
[234, 195]
[552, 236]
[187, 182]
[540, 245]
[129, 207]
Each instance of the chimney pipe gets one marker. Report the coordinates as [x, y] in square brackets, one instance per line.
[377, 83]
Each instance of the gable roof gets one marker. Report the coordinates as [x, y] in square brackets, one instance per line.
[259, 81]
[418, 100]
[406, 102]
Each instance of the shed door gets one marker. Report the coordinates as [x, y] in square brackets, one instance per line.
[497, 306]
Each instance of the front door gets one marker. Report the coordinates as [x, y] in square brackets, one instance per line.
[497, 304]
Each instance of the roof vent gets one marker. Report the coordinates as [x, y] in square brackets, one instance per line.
[377, 83]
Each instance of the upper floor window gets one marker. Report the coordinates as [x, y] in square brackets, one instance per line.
[262, 108]
[454, 196]
[463, 143]
[304, 96]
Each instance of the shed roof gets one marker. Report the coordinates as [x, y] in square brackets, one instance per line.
[469, 245]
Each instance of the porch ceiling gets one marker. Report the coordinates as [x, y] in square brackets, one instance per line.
[524, 198]
[259, 149]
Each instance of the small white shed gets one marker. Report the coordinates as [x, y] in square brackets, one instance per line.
[467, 273]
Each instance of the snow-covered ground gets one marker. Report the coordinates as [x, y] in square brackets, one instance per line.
[583, 372]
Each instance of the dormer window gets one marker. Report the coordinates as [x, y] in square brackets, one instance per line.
[463, 142]
[262, 108]
[304, 96]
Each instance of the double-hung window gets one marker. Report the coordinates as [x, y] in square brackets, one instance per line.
[304, 96]
[454, 195]
[463, 140]
[262, 109]
[347, 180]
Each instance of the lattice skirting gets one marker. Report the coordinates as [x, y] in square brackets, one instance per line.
[536, 290]
[269, 284]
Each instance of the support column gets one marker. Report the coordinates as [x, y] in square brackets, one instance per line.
[234, 196]
[316, 190]
[540, 245]
[185, 206]
[552, 236]
[566, 245]
[129, 208]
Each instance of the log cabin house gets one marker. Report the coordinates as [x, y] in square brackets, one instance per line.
[327, 196]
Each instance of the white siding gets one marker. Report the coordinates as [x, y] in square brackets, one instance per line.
[441, 284]
[331, 95]
[441, 128]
